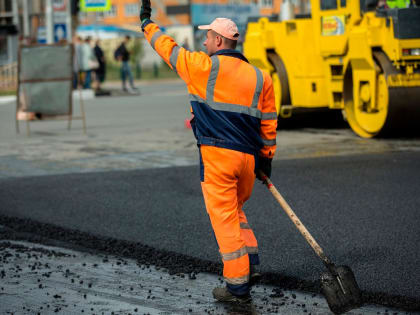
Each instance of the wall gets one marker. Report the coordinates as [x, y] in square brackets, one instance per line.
[172, 12]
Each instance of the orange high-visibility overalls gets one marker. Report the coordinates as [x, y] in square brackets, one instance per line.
[234, 121]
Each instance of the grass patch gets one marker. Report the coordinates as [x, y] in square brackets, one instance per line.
[7, 92]
[162, 71]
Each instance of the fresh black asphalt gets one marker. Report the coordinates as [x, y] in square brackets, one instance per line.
[364, 210]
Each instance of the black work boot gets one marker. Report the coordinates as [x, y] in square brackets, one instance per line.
[254, 275]
[223, 295]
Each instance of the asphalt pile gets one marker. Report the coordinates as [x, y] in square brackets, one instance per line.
[174, 264]
[39, 280]
[28, 230]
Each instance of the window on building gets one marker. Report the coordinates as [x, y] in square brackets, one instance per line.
[83, 15]
[328, 4]
[3, 47]
[132, 9]
[265, 3]
[112, 12]
[6, 6]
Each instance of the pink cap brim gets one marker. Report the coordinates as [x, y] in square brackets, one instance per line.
[224, 27]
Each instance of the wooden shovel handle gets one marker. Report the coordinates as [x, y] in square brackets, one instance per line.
[302, 229]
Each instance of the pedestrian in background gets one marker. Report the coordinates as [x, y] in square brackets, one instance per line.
[185, 44]
[77, 61]
[382, 5]
[235, 122]
[89, 62]
[101, 70]
[122, 54]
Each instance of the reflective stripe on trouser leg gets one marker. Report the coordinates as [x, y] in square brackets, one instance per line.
[223, 170]
[251, 242]
[234, 264]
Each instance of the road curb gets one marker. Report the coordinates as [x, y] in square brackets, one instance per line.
[86, 95]
[7, 99]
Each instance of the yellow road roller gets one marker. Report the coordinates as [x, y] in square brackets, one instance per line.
[346, 54]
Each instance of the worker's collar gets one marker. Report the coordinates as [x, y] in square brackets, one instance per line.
[231, 53]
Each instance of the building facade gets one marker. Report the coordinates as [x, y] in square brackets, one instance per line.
[181, 17]
[125, 13]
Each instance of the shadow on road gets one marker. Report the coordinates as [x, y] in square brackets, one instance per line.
[313, 118]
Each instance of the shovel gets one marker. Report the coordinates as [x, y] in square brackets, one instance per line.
[338, 284]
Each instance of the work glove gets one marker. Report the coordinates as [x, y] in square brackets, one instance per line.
[145, 11]
[264, 165]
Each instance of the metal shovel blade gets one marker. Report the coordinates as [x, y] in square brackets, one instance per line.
[340, 289]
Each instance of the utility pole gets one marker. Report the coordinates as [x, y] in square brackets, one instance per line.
[74, 8]
[15, 12]
[69, 21]
[26, 32]
[49, 21]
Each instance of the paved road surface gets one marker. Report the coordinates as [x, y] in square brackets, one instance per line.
[43, 279]
[147, 131]
[123, 180]
[362, 209]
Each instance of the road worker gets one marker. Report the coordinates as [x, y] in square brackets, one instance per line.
[234, 122]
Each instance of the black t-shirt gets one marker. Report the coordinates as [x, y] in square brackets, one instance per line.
[99, 53]
[123, 52]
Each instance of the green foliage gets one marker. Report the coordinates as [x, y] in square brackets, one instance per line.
[7, 92]
[136, 49]
[163, 72]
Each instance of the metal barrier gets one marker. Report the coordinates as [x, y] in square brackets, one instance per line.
[8, 76]
[45, 84]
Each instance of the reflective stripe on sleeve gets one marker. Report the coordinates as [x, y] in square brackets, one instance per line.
[252, 250]
[269, 142]
[269, 116]
[234, 255]
[174, 57]
[258, 88]
[237, 281]
[155, 38]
